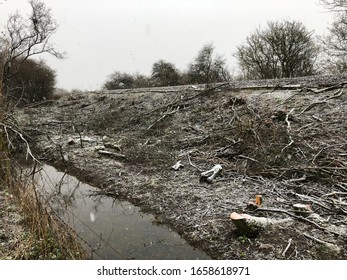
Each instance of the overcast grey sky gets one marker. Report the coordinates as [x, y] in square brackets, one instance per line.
[103, 36]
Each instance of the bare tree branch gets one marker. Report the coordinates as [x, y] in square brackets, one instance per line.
[283, 49]
[25, 37]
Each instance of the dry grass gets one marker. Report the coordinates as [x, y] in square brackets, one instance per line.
[49, 238]
[31, 231]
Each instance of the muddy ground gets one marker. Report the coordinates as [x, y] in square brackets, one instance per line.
[282, 139]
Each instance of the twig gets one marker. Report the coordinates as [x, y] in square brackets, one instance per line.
[8, 138]
[208, 209]
[28, 150]
[329, 88]
[223, 149]
[287, 117]
[288, 130]
[309, 107]
[303, 178]
[313, 238]
[63, 157]
[289, 144]
[287, 248]
[249, 158]
[190, 162]
[316, 155]
[337, 94]
[305, 126]
[334, 193]
[341, 186]
[60, 183]
[327, 244]
[316, 118]
[307, 198]
[163, 117]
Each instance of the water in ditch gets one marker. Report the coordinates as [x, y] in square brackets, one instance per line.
[114, 229]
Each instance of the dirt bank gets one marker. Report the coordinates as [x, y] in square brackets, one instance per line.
[284, 140]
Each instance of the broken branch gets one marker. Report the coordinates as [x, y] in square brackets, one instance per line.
[287, 248]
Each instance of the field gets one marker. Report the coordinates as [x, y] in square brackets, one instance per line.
[282, 139]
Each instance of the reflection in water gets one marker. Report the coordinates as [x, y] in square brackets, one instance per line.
[115, 229]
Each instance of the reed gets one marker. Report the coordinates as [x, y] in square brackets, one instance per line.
[44, 235]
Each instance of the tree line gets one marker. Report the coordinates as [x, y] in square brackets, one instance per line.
[277, 50]
[281, 49]
[206, 68]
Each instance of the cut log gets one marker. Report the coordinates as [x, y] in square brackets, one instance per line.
[258, 199]
[240, 222]
[209, 175]
[178, 165]
[250, 225]
[255, 204]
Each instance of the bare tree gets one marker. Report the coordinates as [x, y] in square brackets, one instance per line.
[207, 67]
[141, 81]
[335, 43]
[165, 74]
[25, 37]
[283, 49]
[119, 80]
[256, 58]
[335, 5]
